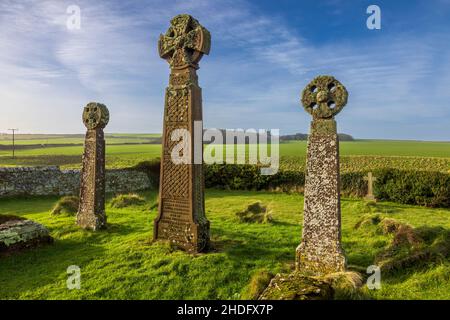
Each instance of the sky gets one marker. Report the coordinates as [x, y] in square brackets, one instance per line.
[263, 53]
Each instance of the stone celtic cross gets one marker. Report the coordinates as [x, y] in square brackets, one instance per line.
[370, 180]
[181, 213]
[184, 43]
[91, 211]
[320, 250]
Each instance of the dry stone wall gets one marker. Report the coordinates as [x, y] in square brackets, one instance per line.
[39, 181]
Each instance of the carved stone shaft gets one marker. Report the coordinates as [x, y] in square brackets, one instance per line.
[91, 211]
[181, 214]
[320, 250]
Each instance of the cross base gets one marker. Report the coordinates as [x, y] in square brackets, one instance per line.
[191, 237]
[370, 198]
[319, 262]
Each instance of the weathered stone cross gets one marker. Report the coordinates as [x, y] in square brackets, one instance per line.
[320, 251]
[91, 211]
[370, 180]
[184, 43]
[181, 218]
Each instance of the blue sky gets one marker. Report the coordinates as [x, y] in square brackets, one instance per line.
[263, 53]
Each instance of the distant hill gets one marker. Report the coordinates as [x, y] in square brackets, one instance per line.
[284, 138]
[304, 136]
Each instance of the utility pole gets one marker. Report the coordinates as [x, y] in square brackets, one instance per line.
[13, 134]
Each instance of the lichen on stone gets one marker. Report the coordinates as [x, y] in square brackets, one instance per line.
[95, 115]
[19, 234]
[324, 97]
[305, 286]
[185, 42]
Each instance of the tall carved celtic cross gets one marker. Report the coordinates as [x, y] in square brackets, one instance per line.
[181, 214]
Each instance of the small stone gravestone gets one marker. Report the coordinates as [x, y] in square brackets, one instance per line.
[320, 249]
[91, 211]
[370, 180]
[181, 214]
[17, 234]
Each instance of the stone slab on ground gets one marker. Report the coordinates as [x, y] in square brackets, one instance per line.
[16, 235]
[297, 286]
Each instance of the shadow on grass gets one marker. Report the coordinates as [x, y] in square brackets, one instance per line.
[31, 270]
[246, 248]
[27, 204]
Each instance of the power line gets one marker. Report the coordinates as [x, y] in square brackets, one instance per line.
[13, 140]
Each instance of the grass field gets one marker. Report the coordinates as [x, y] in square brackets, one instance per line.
[292, 148]
[121, 263]
[124, 150]
[111, 138]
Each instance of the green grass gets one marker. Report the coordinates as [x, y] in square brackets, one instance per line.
[377, 148]
[6, 139]
[117, 156]
[121, 263]
[293, 148]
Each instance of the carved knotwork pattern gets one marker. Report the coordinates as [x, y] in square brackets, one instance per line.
[324, 97]
[183, 79]
[176, 179]
[177, 105]
[184, 42]
[168, 143]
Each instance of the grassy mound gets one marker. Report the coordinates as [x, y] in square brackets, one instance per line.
[66, 205]
[259, 281]
[368, 220]
[409, 246]
[412, 246]
[126, 200]
[255, 213]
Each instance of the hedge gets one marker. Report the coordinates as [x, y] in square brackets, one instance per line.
[425, 188]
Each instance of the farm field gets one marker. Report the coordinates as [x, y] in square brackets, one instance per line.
[125, 150]
[121, 262]
[41, 140]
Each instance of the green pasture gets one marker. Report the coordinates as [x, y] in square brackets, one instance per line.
[43, 139]
[291, 148]
[377, 148]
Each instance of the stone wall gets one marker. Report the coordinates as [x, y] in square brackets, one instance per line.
[38, 181]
